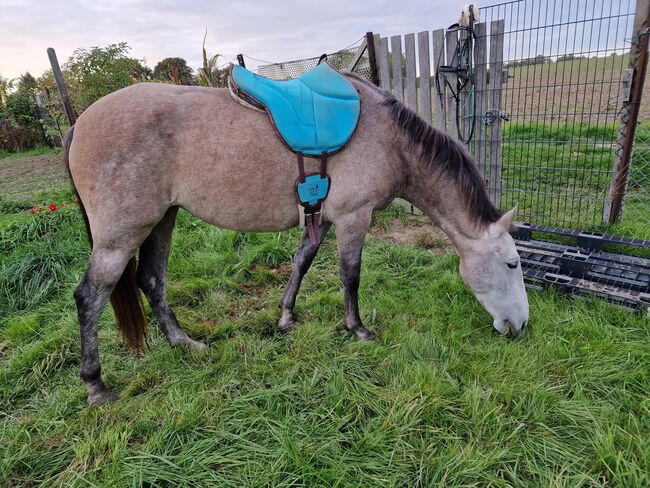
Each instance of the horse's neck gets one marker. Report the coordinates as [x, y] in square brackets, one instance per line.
[440, 198]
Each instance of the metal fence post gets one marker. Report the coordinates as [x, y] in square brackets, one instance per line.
[613, 208]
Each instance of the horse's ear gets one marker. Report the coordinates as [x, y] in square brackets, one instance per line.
[505, 222]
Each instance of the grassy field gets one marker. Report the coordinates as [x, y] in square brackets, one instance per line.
[560, 174]
[579, 90]
[439, 400]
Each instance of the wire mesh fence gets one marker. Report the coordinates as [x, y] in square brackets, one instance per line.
[565, 63]
[636, 208]
[565, 69]
[339, 60]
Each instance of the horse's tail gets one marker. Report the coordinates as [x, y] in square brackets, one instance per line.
[125, 299]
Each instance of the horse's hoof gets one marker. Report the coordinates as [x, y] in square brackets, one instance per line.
[103, 397]
[186, 341]
[286, 326]
[287, 322]
[364, 334]
[196, 345]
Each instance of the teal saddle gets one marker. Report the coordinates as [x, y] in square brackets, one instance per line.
[315, 115]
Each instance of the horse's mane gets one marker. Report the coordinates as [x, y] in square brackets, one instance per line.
[437, 151]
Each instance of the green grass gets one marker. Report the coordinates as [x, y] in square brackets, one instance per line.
[37, 151]
[439, 400]
[560, 174]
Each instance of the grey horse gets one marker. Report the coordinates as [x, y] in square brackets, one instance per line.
[140, 153]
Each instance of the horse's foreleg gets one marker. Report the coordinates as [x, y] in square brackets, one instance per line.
[152, 279]
[350, 233]
[301, 262]
[92, 294]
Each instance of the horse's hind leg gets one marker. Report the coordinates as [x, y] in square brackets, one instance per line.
[104, 270]
[152, 279]
[301, 262]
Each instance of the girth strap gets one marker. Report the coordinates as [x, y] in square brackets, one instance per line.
[311, 190]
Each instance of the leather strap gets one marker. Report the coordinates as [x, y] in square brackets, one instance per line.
[301, 167]
[323, 164]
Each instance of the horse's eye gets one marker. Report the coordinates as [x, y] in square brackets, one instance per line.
[512, 265]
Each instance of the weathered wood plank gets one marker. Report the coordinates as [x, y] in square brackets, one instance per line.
[63, 91]
[372, 57]
[497, 28]
[384, 73]
[452, 42]
[425, 76]
[411, 88]
[438, 50]
[480, 70]
[396, 65]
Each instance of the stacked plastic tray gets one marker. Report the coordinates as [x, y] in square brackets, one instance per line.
[584, 269]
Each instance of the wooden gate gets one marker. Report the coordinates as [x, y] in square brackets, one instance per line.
[410, 75]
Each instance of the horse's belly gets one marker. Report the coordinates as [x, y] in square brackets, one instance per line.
[243, 211]
[242, 190]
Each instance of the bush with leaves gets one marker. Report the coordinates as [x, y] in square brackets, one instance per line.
[209, 74]
[20, 127]
[90, 74]
[93, 73]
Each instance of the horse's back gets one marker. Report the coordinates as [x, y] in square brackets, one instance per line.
[144, 148]
[155, 145]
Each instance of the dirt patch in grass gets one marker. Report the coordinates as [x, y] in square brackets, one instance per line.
[416, 231]
[23, 178]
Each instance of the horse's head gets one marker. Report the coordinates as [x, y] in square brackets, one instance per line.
[490, 267]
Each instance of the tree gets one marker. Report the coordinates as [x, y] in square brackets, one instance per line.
[5, 87]
[91, 74]
[26, 83]
[175, 70]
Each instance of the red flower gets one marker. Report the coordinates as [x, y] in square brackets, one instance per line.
[76, 201]
[35, 209]
[53, 207]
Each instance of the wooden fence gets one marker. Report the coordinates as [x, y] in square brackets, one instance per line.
[409, 74]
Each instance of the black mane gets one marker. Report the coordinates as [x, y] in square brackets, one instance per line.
[441, 153]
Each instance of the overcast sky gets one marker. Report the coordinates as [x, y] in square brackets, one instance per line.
[269, 30]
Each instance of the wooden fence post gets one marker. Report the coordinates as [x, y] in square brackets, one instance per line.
[372, 58]
[382, 62]
[396, 62]
[411, 87]
[65, 99]
[425, 76]
[438, 49]
[452, 42]
[638, 62]
[480, 63]
[497, 28]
